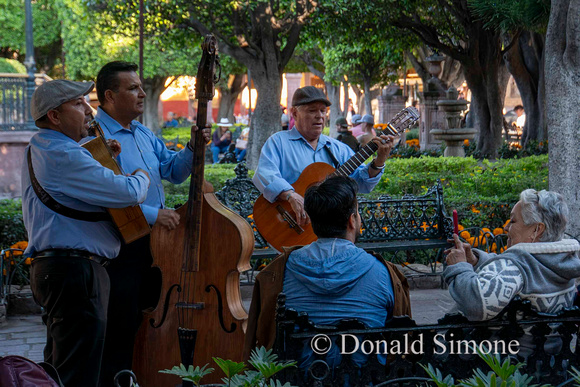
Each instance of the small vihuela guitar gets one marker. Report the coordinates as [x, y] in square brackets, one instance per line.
[130, 221]
[277, 221]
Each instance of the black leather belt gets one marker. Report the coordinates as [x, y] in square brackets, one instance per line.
[72, 253]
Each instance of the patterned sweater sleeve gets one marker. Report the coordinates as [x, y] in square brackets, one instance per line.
[483, 294]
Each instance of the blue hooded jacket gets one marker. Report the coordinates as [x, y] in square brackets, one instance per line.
[332, 279]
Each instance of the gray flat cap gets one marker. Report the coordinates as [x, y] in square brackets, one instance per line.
[368, 119]
[309, 94]
[355, 119]
[52, 94]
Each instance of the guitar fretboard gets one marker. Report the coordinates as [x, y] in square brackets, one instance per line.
[356, 160]
[404, 119]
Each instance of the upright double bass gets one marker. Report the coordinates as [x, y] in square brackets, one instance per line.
[200, 312]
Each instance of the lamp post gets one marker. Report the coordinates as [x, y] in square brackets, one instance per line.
[30, 64]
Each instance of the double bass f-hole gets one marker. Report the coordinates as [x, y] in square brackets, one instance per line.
[165, 306]
[221, 309]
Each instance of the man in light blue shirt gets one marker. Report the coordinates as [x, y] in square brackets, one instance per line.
[285, 154]
[122, 98]
[68, 278]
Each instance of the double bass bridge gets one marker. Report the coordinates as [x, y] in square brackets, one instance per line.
[187, 305]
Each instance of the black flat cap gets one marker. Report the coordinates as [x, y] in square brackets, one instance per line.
[309, 94]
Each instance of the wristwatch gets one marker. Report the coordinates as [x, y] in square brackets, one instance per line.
[288, 195]
[374, 166]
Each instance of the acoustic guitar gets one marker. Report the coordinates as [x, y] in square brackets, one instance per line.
[277, 221]
[130, 221]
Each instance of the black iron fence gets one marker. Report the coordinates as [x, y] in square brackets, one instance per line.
[14, 100]
[13, 103]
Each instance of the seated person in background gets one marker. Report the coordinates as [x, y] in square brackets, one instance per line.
[521, 120]
[284, 119]
[344, 135]
[242, 144]
[171, 121]
[221, 140]
[330, 279]
[368, 133]
[538, 264]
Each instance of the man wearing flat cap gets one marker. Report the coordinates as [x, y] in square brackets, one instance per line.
[285, 154]
[71, 238]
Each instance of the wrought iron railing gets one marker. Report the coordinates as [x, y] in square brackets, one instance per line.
[13, 103]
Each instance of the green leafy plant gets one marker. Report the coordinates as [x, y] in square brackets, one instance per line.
[189, 374]
[503, 374]
[263, 361]
[576, 375]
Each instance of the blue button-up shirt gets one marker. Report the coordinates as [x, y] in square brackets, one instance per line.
[140, 148]
[73, 178]
[285, 155]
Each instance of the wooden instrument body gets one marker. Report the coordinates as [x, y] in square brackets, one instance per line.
[271, 224]
[130, 220]
[224, 232]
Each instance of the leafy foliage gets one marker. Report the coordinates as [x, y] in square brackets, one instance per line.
[11, 225]
[11, 66]
[189, 374]
[91, 41]
[510, 15]
[502, 374]
[46, 27]
[237, 375]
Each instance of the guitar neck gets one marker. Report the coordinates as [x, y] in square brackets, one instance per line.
[356, 160]
[399, 123]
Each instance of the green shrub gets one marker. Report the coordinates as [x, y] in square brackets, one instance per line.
[412, 134]
[11, 225]
[184, 133]
[11, 66]
[215, 174]
[482, 192]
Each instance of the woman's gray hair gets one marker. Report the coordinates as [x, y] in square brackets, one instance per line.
[546, 207]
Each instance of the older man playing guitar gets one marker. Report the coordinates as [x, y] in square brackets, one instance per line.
[286, 154]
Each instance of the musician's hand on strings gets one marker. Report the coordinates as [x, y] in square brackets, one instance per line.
[167, 218]
[297, 203]
[145, 172]
[385, 143]
[115, 146]
[457, 253]
[206, 133]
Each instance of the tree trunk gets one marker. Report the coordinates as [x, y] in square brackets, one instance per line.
[229, 96]
[562, 60]
[333, 93]
[359, 98]
[368, 97]
[266, 118]
[524, 62]
[483, 77]
[346, 97]
[153, 87]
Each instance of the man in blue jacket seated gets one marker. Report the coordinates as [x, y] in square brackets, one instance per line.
[332, 279]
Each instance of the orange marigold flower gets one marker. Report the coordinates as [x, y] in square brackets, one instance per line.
[466, 142]
[497, 231]
[465, 235]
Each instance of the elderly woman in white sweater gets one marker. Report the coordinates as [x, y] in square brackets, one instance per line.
[538, 264]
